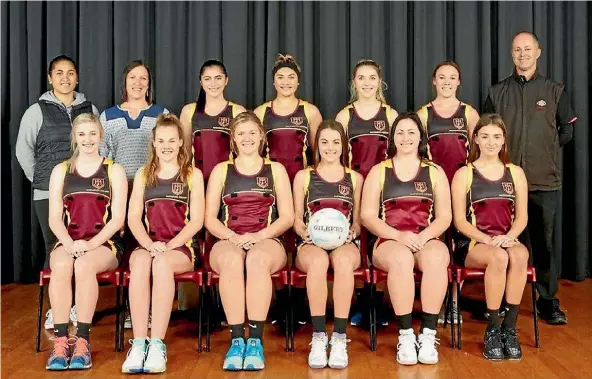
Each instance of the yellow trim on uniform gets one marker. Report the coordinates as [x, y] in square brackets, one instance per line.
[306, 193]
[306, 107]
[386, 164]
[233, 108]
[269, 222]
[352, 177]
[513, 171]
[389, 114]
[467, 112]
[192, 108]
[261, 110]
[423, 116]
[346, 129]
[469, 177]
[471, 210]
[432, 172]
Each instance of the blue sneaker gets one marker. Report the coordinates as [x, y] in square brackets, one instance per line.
[235, 355]
[81, 358]
[60, 355]
[254, 359]
[356, 319]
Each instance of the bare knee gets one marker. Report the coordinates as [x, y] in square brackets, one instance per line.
[62, 266]
[161, 265]
[518, 256]
[84, 269]
[257, 261]
[231, 262]
[343, 262]
[499, 259]
[401, 261]
[436, 259]
[140, 262]
[318, 263]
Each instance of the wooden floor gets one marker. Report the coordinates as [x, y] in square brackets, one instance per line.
[565, 351]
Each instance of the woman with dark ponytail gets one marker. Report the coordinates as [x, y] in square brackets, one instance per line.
[205, 122]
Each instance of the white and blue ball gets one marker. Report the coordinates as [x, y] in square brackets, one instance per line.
[328, 228]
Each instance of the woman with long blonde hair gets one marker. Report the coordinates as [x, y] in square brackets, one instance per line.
[87, 195]
[171, 194]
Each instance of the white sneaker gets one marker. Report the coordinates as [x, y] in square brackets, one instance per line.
[156, 357]
[427, 347]
[338, 357]
[317, 358]
[49, 320]
[407, 347]
[134, 363]
[128, 322]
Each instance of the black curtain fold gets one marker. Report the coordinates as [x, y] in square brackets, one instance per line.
[327, 38]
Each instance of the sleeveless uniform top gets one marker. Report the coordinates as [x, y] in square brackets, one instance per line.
[320, 194]
[248, 202]
[368, 139]
[211, 138]
[287, 136]
[448, 141]
[87, 204]
[491, 203]
[166, 211]
[407, 206]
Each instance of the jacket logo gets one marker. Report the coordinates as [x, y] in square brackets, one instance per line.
[224, 121]
[421, 186]
[344, 190]
[541, 104]
[262, 181]
[296, 121]
[177, 188]
[380, 125]
[458, 123]
[98, 183]
[508, 187]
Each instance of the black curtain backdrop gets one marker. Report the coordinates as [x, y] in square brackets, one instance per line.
[327, 38]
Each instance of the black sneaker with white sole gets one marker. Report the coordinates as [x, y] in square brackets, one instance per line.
[512, 350]
[493, 348]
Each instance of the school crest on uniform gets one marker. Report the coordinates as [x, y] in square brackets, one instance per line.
[177, 188]
[508, 187]
[458, 122]
[98, 183]
[262, 181]
[296, 121]
[380, 125]
[224, 121]
[420, 186]
[344, 190]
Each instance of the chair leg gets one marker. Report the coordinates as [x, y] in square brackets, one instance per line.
[451, 314]
[39, 313]
[117, 314]
[199, 324]
[459, 326]
[372, 310]
[536, 316]
[123, 308]
[208, 312]
[289, 318]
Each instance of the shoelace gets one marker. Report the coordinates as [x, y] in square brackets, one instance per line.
[155, 353]
[252, 350]
[60, 347]
[136, 348]
[493, 339]
[80, 345]
[318, 346]
[339, 344]
[235, 350]
[427, 339]
[407, 341]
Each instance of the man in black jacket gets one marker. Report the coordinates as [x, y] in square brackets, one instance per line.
[540, 119]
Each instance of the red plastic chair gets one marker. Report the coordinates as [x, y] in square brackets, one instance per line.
[362, 273]
[196, 277]
[213, 278]
[104, 278]
[469, 274]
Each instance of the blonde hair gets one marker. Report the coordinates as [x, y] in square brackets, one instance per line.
[82, 118]
[353, 94]
[151, 167]
[248, 116]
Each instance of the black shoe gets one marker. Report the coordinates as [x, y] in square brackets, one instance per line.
[493, 348]
[553, 315]
[512, 350]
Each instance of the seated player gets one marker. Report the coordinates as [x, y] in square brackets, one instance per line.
[406, 204]
[169, 191]
[489, 199]
[249, 205]
[87, 196]
[329, 184]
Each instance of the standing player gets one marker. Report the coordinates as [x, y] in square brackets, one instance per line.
[367, 121]
[44, 141]
[406, 204]
[249, 206]
[169, 191]
[290, 127]
[449, 123]
[87, 195]
[329, 184]
[490, 203]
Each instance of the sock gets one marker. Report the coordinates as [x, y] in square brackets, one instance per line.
[493, 319]
[83, 330]
[156, 341]
[256, 329]
[140, 341]
[318, 324]
[511, 316]
[404, 321]
[61, 330]
[339, 325]
[428, 320]
[237, 331]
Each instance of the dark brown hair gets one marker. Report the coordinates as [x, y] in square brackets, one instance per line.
[422, 149]
[489, 119]
[448, 63]
[130, 66]
[332, 125]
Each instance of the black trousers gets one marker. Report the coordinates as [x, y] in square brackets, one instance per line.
[539, 238]
[42, 211]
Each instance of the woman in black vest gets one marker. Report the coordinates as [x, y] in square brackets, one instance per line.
[44, 141]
